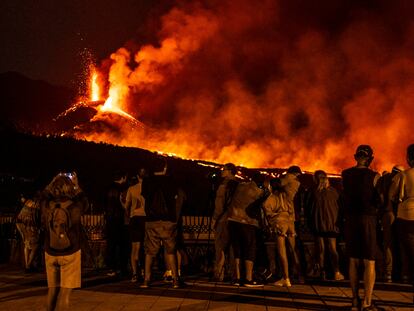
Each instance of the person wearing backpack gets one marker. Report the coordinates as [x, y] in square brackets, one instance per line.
[243, 224]
[62, 205]
[220, 218]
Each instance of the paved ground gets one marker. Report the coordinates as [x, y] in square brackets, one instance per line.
[27, 292]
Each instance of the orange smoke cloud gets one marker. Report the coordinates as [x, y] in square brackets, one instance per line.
[240, 82]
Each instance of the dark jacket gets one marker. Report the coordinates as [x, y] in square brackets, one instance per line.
[324, 210]
[114, 211]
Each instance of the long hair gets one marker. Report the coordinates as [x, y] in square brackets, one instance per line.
[321, 180]
[61, 187]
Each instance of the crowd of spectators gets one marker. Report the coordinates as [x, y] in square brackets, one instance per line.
[143, 213]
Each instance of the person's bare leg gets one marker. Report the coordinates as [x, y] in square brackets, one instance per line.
[135, 257]
[52, 296]
[249, 269]
[237, 268]
[295, 256]
[26, 257]
[353, 278]
[281, 248]
[220, 260]
[171, 260]
[179, 261]
[148, 266]
[334, 254]
[321, 254]
[32, 254]
[64, 298]
[369, 281]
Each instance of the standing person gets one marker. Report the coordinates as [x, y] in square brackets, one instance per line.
[135, 209]
[324, 219]
[360, 202]
[28, 224]
[162, 196]
[280, 214]
[405, 213]
[387, 214]
[280, 226]
[290, 184]
[243, 228]
[181, 254]
[116, 231]
[61, 208]
[220, 217]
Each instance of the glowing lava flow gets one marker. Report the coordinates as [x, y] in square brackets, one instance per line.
[94, 87]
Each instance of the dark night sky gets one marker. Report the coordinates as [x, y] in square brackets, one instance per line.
[44, 39]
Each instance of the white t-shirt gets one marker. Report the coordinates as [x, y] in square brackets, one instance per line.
[135, 201]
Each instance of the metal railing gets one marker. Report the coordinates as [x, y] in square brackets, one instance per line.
[194, 227]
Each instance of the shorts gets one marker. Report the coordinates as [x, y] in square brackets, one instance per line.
[137, 228]
[157, 232]
[243, 240]
[361, 237]
[284, 228]
[63, 271]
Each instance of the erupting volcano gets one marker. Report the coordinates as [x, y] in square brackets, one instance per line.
[240, 82]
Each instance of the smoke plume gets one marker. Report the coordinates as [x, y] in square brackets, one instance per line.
[272, 83]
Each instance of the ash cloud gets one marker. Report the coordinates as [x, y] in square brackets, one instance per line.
[273, 84]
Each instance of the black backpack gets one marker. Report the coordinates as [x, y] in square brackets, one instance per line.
[59, 222]
[254, 209]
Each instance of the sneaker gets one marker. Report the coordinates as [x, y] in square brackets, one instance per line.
[339, 276]
[134, 278]
[356, 304]
[168, 276]
[253, 283]
[176, 283]
[111, 273]
[388, 278]
[236, 282]
[145, 284]
[266, 274]
[283, 282]
[315, 272]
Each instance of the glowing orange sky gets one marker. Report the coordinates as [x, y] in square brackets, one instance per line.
[226, 83]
